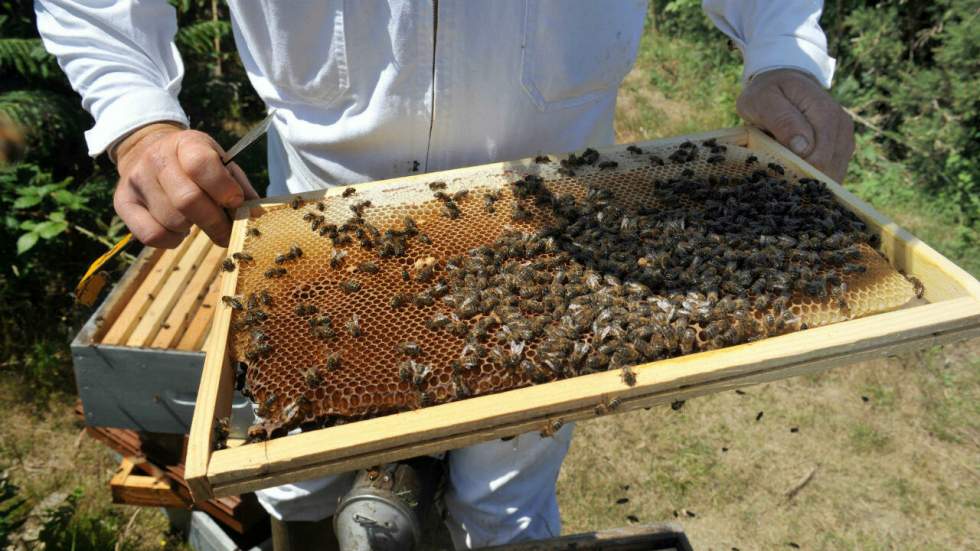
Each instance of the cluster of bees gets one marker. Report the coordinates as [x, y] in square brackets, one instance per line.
[715, 262]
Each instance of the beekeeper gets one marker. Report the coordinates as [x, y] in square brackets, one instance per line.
[377, 89]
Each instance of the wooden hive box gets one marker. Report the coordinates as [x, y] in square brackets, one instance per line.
[138, 359]
[949, 310]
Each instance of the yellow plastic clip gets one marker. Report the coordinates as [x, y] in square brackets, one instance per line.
[94, 280]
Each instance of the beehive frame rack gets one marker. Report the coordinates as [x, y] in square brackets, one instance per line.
[950, 311]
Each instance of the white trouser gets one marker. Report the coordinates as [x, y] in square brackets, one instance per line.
[499, 492]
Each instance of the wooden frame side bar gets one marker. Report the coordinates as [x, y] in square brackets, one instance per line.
[217, 379]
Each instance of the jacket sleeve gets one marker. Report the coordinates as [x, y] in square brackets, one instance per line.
[775, 34]
[120, 56]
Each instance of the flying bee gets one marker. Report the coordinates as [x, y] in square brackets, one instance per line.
[410, 348]
[296, 203]
[254, 232]
[551, 428]
[350, 286]
[333, 361]
[232, 302]
[607, 165]
[399, 299]
[353, 326]
[228, 265]
[337, 258]
[436, 186]
[242, 257]
[367, 267]
[348, 192]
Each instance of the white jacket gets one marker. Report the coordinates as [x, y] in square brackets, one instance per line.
[371, 89]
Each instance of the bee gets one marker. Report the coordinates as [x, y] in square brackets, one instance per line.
[567, 172]
[410, 348]
[425, 239]
[520, 214]
[715, 159]
[322, 331]
[851, 268]
[450, 210]
[283, 258]
[436, 186]
[348, 192]
[442, 196]
[354, 326]
[607, 165]
[551, 428]
[295, 251]
[333, 361]
[406, 370]
[253, 302]
[399, 299]
[461, 194]
[686, 340]
[232, 302]
[425, 275]
[917, 285]
[411, 228]
[242, 257]
[437, 322]
[628, 375]
[221, 433]
[228, 265]
[296, 203]
[656, 161]
[350, 286]
[405, 275]
[312, 377]
[424, 299]
[419, 373]
[634, 150]
[303, 310]
[368, 267]
[341, 239]
[460, 389]
[254, 232]
[320, 206]
[776, 168]
[337, 258]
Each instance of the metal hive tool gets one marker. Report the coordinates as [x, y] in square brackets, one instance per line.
[303, 370]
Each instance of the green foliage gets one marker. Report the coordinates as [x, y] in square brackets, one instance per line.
[27, 58]
[14, 508]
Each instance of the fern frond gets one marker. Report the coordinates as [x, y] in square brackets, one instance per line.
[199, 37]
[26, 58]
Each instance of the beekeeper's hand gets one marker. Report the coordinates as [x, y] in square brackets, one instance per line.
[793, 107]
[170, 179]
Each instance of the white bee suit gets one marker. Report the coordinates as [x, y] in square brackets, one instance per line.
[373, 89]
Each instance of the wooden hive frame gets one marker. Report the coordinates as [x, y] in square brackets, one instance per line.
[951, 311]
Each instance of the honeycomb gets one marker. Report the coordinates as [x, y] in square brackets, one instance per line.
[304, 370]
